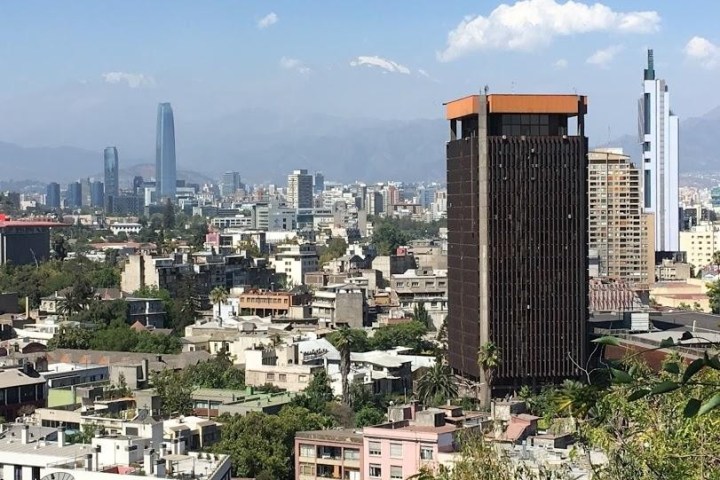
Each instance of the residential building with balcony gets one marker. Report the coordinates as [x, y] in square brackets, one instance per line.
[265, 303]
[328, 454]
[340, 305]
[423, 286]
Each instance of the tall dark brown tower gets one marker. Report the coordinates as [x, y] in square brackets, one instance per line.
[517, 237]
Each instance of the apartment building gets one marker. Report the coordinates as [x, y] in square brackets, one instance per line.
[21, 389]
[340, 304]
[616, 222]
[700, 242]
[295, 261]
[423, 286]
[328, 454]
[283, 366]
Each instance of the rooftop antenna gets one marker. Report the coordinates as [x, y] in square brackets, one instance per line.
[512, 87]
[486, 89]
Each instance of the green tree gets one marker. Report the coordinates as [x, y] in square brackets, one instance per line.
[59, 247]
[218, 372]
[175, 392]
[369, 415]
[360, 341]
[317, 394]
[437, 385]
[70, 336]
[488, 361]
[168, 215]
[713, 293]
[410, 334]
[336, 248]
[344, 344]
[421, 315]
[218, 296]
[387, 237]
[261, 444]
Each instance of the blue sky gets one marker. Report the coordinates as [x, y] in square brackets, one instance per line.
[80, 62]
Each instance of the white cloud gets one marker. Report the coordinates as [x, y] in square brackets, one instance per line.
[295, 65]
[268, 20]
[604, 56]
[379, 62]
[704, 51]
[560, 63]
[133, 80]
[530, 24]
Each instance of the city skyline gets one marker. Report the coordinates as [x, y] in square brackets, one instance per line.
[296, 82]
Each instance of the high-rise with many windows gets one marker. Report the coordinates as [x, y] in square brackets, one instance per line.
[300, 189]
[165, 167]
[517, 238]
[659, 133]
[617, 224]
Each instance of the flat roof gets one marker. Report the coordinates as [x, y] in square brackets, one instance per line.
[340, 435]
[515, 103]
[20, 223]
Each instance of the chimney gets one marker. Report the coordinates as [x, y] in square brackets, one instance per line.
[160, 468]
[96, 459]
[24, 434]
[27, 307]
[61, 437]
[149, 462]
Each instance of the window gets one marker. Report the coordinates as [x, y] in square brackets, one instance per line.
[374, 449]
[307, 451]
[396, 450]
[396, 473]
[307, 469]
[351, 454]
[283, 377]
[270, 377]
[426, 452]
[375, 471]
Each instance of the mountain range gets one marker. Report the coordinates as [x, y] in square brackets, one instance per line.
[265, 146]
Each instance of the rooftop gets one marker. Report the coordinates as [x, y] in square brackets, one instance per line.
[515, 103]
[338, 435]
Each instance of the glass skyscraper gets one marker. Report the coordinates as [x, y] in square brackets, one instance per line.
[165, 174]
[112, 188]
[52, 199]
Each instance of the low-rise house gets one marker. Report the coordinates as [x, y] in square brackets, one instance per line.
[210, 402]
[21, 391]
[282, 366]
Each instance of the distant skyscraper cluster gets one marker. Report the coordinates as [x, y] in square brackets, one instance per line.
[660, 137]
[165, 166]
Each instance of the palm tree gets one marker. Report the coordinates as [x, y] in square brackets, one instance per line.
[218, 296]
[575, 398]
[488, 361]
[344, 342]
[437, 383]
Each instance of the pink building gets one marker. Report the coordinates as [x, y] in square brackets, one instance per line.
[411, 440]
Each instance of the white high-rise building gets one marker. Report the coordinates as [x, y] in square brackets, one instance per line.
[659, 135]
[300, 189]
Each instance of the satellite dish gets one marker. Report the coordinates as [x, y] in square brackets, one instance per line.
[58, 476]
